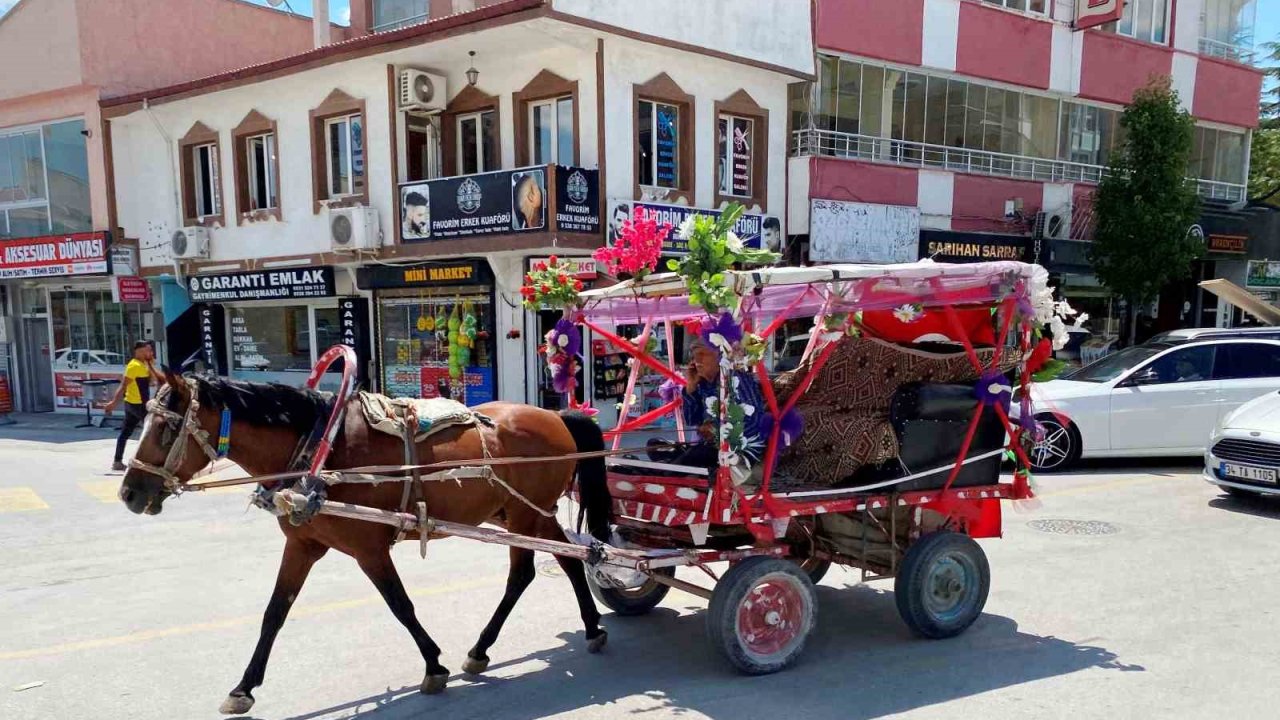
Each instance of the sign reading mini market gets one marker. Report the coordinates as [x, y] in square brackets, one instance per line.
[51, 256]
[469, 272]
[263, 285]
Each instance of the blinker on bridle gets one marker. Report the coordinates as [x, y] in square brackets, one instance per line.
[187, 427]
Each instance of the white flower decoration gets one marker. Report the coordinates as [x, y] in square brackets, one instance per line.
[907, 313]
[685, 229]
[563, 341]
[733, 242]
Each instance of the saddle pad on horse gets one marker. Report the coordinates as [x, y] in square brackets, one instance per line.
[389, 415]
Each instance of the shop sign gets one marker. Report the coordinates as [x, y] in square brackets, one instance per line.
[124, 260]
[953, 247]
[130, 289]
[262, 285]
[471, 272]
[52, 256]
[841, 231]
[69, 393]
[753, 229]
[6, 393]
[1263, 274]
[353, 315]
[1233, 244]
[500, 202]
[1090, 13]
[577, 200]
[211, 319]
[582, 268]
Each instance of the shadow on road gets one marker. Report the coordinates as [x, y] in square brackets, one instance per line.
[1265, 507]
[1150, 466]
[861, 663]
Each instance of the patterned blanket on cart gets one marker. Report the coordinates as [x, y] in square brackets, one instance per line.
[429, 415]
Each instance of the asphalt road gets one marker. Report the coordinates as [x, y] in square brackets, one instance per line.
[110, 615]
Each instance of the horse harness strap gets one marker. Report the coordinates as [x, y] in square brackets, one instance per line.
[187, 426]
[412, 483]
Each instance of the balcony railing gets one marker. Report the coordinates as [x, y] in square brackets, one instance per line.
[402, 22]
[831, 143]
[1227, 51]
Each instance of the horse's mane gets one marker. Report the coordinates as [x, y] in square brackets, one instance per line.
[264, 404]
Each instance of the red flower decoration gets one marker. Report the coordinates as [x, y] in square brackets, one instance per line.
[1040, 355]
[637, 248]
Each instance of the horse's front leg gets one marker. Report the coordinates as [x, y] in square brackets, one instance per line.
[378, 567]
[295, 564]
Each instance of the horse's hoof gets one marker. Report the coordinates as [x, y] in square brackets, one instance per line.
[434, 684]
[597, 643]
[236, 705]
[475, 666]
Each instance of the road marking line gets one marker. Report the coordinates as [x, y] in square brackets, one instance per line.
[104, 491]
[178, 630]
[20, 499]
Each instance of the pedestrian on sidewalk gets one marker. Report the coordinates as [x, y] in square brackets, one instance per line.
[135, 389]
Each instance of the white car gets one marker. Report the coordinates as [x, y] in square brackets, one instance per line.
[1151, 400]
[1244, 452]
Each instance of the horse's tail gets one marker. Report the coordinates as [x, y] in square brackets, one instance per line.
[593, 489]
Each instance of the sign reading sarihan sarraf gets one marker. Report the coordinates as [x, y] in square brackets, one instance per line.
[310, 282]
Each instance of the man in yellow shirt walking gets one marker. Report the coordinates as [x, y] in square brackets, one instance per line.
[135, 389]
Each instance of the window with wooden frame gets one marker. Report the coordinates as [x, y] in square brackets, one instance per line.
[470, 133]
[546, 121]
[255, 144]
[742, 151]
[200, 165]
[664, 143]
[339, 170]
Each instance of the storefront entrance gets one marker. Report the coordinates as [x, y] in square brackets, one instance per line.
[37, 370]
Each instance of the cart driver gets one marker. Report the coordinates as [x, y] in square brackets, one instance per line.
[702, 382]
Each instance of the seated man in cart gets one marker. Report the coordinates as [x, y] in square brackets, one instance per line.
[702, 383]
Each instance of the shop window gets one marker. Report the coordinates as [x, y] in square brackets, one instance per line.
[44, 180]
[257, 166]
[92, 339]
[546, 121]
[338, 150]
[664, 152]
[280, 343]
[471, 136]
[417, 351]
[742, 131]
[201, 176]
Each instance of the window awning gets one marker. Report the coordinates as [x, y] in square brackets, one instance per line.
[1243, 299]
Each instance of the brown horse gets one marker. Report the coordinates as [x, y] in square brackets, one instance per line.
[268, 421]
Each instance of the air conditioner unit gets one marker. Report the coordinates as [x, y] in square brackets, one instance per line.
[421, 91]
[1054, 225]
[189, 243]
[354, 228]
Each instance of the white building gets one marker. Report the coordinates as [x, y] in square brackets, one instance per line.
[266, 159]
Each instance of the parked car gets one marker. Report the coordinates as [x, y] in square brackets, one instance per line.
[1189, 334]
[1155, 399]
[1244, 452]
[70, 358]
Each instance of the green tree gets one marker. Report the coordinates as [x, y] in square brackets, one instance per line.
[1264, 166]
[1270, 64]
[1145, 205]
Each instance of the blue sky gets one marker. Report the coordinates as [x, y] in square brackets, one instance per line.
[339, 10]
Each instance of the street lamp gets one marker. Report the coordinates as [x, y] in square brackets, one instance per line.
[472, 73]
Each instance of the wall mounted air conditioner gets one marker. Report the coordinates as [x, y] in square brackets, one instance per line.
[1055, 225]
[354, 228]
[189, 243]
[421, 91]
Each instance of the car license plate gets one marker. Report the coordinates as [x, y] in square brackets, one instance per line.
[1248, 472]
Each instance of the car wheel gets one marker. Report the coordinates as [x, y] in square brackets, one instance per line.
[1060, 447]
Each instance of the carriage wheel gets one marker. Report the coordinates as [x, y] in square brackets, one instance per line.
[815, 568]
[942, 584]
[633, 601]
[761, 614]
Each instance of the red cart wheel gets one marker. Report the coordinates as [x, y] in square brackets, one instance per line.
[761, 614]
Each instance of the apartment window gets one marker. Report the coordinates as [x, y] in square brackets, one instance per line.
[664, 138]
[393, 14]
[1146, 20]
[734, 149]
[477, 145]
[44, 180]
[1035, 6]
[1218, 155]
[1228, 28]
[658, 139]
[1089, 134]
[338, 152]
[208, 201]
[261, 165]
[257, 162]
[344, 155]
[551, 131]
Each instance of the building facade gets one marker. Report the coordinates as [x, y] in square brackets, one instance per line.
[978, 129]
[388, 189]
[62, 315]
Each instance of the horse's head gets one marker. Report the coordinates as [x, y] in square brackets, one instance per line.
[175, 445]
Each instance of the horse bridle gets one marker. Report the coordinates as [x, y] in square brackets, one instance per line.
[187, 428]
